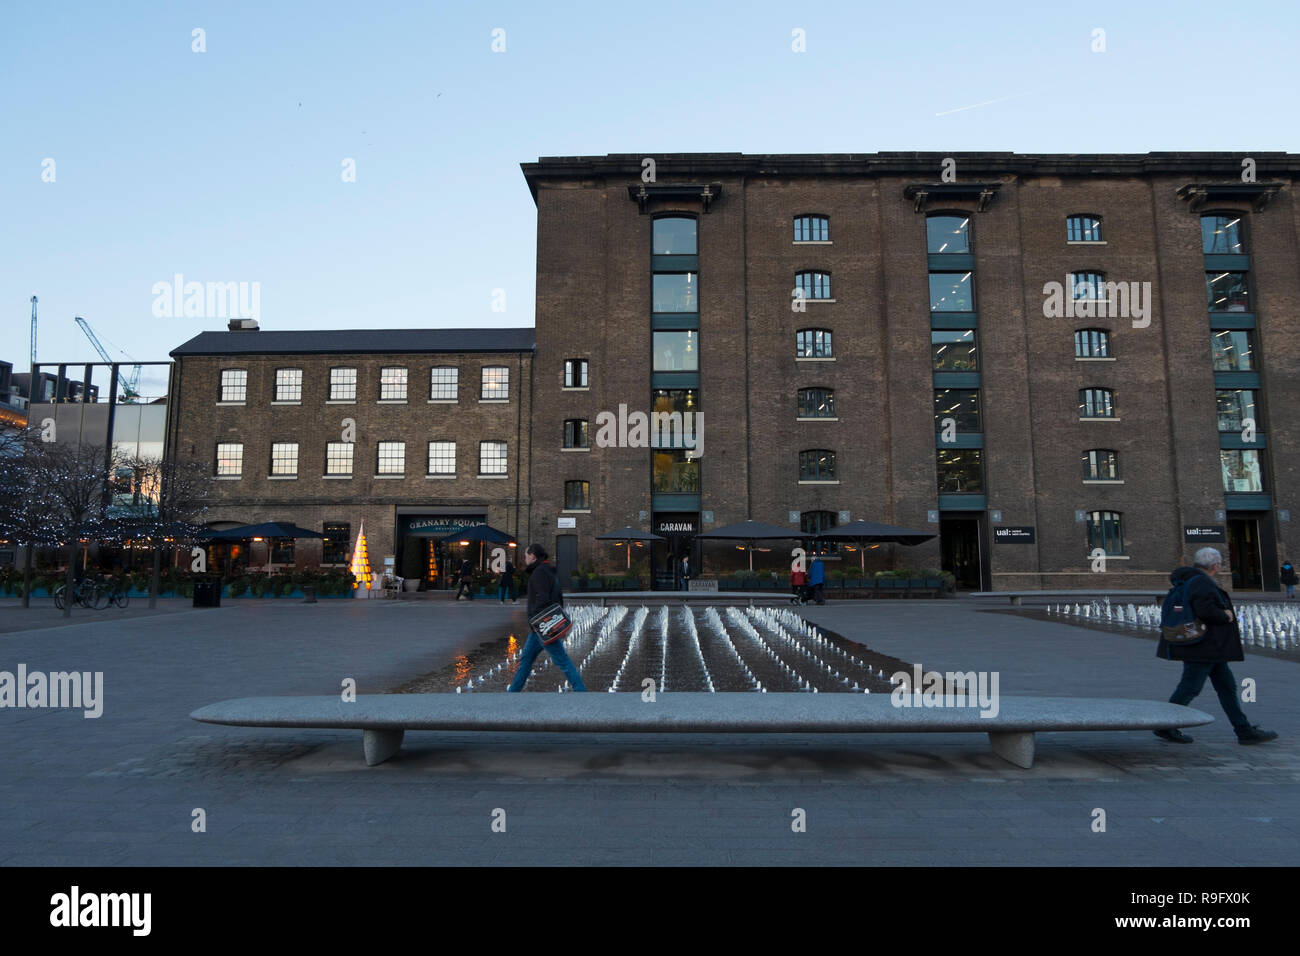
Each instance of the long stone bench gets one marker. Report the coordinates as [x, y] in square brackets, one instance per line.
[1017, 597]
[385, 718]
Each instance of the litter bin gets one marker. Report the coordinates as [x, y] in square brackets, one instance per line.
[207, 591]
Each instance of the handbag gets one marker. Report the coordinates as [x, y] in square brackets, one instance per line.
[550, 623]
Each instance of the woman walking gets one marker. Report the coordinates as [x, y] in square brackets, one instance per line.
[543, 591]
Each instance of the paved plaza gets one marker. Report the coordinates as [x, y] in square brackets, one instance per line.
[121, 789]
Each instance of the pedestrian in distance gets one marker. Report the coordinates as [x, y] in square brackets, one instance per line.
[686, 572]
[799, 586]
[543, 591]
[1209, 656]
[817, 580]
[466, 580]
[1289, 579]
[507, 583]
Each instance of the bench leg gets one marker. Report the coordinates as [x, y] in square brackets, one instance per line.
[1016, 600]
[381, 744]
[1016, 748]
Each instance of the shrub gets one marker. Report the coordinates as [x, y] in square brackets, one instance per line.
[259, 584]
[237, 587]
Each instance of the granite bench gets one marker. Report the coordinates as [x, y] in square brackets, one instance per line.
[385, 718]
[1122, 597]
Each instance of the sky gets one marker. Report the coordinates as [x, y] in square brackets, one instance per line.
[130, 157]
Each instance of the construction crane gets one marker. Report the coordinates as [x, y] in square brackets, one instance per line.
[33, 339]
[131, 385]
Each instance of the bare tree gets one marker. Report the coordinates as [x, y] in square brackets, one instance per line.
[26, 508]
[74, 491]
[168, 499]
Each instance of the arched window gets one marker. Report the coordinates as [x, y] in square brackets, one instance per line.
[1221, 234]
[575, 433]
[1087, 285]
[1096, 403]
[1091, 343]
[813, 285]
[812, 229]
[811, 522]
[816, 403]
[1106, 531]
[1083, 228]
[947, 234]
[577, 496]
[817, 464]
[674, 236]
[813, 343]
[1100, 464]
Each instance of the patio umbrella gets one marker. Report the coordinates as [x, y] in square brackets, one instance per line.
[481, 533]
[751, 531]
[628, 535]
[267, 529]
[873, 532]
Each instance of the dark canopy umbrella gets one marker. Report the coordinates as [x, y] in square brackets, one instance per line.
[267, 529]
[750, 531]
[629, 535]
[478, 532]
[873, 532]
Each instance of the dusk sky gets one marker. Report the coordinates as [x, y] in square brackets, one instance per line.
[227, 165]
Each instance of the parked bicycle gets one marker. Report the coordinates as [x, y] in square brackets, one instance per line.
[92, 593]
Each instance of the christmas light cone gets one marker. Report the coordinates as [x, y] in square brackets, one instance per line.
[361, 565]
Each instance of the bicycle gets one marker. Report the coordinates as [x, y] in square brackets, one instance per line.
[87, 593]
[119, 593]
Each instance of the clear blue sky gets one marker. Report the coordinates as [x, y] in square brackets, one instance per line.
[226, 165]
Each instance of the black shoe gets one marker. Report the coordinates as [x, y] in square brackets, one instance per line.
[1174, 736]
[1256, 735]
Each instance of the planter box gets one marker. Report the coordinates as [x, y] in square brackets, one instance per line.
[595, 585]
[853, 583]
[887, 584]
[934, 583]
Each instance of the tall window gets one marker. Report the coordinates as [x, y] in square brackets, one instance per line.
[960, 404]
[442, 383]
[812, 229]
[1227, 292]
[230, 458]
[1235, 407]
[953, 350]
[282, 550]
[491, 458]
[284, 458]
[496, 382]
[343, 385]
[234, 384]
[1106, 531]
[816, 403]
[676, 292]
[392, 384]
[575, 433]
[947, 234]
[811, 522]
[1242, 470]
[673, 473]
[336, 548]
[577, 496]
[1096, 403]
[575, 373]
[961, 471]
[951, 292]
[288, 385]
[338, 457]
[813, 343]
[1221, 235]
[442, 458]
[817, 464]
[391, 458]
[1101, 464]
[1091, 343]
[674, 236]
[676, 351]
[813, 285]
[1083, 229]
[1087, 285]
[1233, 350]
[680, 400]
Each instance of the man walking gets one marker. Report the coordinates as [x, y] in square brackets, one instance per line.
[817, 580]
[1209, 656]
[1290, 579]
[507, 583]
[466, 580]
[686, 572]
[543, 591]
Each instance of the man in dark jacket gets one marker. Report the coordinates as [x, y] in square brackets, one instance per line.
[466, 580]
[507, 584]
[543, 591]
[1209, 656]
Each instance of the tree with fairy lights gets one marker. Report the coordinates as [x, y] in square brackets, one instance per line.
[361, 562]
[25, 505]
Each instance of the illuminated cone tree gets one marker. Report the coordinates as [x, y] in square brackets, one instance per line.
[361, 561]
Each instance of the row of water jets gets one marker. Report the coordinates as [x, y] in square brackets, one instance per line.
[779, 642]
[1275, 626]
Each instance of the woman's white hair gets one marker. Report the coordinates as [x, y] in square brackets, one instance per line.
[1207, 558]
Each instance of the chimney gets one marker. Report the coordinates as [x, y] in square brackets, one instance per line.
[243, 325]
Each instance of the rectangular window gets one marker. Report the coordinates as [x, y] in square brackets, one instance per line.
[1096, 403]
[575, 433]
[961, 471]
[1100, 464]
[813, 285]
[813, 343]
[1221, 235]
[960, 404]
[496, 382]
[673, 473]
[947, 235]
[953, 350]
[336, 548]
[676, 292]
[343, 384]
[442, 384]
[491, 458]
[392, 458]
[1083, 229]
[951, 292]
[812, 229]
[284, 458]
[1242, 470]
[288, 385]
[338, 457]
[234, 384]
[676, 351]
[442, 458]
[816, 403]
[577, 496]
[817, 464]
[1227, 291]
[1233, 350]
[669, 400]
[230, 458]
[575, 373]
[1092, 343]
[1106, 531]
[674, 236]
[281, 550]
[392, 384]
[810, 522]
[1236, 406]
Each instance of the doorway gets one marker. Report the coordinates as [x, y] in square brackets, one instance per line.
[1244, 554]
[566, 555]
[959, 540]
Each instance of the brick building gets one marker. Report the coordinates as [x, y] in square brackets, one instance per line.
[877, 336]
[413, 432]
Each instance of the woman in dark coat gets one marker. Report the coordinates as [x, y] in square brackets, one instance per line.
[1209, 656]
[543, 591]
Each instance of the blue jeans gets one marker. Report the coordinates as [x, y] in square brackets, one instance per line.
[1290, 591]
[532, 648]
[507, 592]
[1225, 685]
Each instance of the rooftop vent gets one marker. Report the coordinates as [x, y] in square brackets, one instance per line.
[243, 325]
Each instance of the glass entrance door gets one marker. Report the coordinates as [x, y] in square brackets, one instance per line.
[959, 540]
[1244, 554]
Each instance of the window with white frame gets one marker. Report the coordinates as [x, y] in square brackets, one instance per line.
[284, 458]
[442, 458]
[392, 384]
[496, 382]
[491, 458]
[392, 458]
[230, 459]
[442, 383]
[288, 385]
[338, 457]
[234, 384]
[343, 385]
